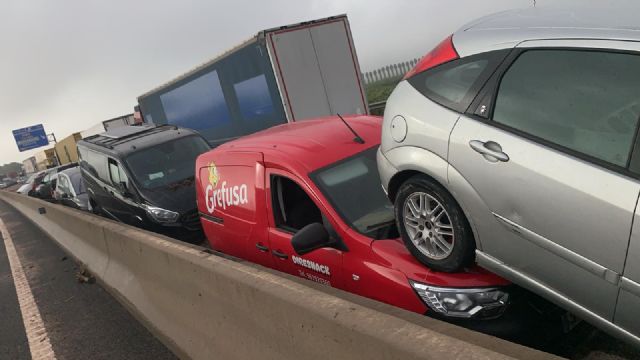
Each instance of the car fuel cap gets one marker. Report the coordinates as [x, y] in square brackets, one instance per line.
[398, 128]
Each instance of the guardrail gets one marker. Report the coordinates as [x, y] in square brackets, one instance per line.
[391, 71]
[204, 306]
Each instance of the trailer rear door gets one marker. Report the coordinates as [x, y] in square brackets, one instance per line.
[299, 75]
[317, 70]
[338, 66]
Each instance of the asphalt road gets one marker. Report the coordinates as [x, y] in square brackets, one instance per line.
[82, 320]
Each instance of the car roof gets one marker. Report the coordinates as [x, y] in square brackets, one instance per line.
[125, 140]
[508, 28]
[315, 143]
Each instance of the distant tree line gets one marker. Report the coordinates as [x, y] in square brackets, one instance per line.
[12, 167]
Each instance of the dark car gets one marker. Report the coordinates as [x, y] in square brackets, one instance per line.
[7, 182]
[70, 189]
[47, 184]
[144, 176]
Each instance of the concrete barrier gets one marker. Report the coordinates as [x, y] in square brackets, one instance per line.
[204, 306]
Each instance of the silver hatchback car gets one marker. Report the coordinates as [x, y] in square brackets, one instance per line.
[514, 143]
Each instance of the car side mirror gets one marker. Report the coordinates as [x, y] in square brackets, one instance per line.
[311, 237]
[124, 190]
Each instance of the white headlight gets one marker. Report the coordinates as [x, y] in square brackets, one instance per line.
[161, 215]
[482, 303]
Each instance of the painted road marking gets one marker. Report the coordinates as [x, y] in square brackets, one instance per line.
[39, 344]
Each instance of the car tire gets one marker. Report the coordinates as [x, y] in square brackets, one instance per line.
[432, 225]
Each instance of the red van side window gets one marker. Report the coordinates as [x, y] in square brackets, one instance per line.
[293, 209]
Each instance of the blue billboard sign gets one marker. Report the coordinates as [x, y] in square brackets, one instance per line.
[30, 137]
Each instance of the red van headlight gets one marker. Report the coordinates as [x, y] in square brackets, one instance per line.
[478, 303]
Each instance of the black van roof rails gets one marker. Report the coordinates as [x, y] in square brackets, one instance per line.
[123, 134]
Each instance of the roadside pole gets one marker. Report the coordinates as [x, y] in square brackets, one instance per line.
[55, 152]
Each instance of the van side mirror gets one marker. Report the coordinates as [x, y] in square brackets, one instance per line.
[124, 190]
[311, 237]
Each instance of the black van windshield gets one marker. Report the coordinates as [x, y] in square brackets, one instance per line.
[353, 188]
[166, 164]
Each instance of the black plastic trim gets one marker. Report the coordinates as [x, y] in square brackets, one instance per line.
[212, 218]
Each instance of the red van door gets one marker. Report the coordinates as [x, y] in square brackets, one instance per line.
[231, 201]
[294, 206]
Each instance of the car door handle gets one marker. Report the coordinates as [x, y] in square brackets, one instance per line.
[279, 254]
[261, 247]
[491, 150]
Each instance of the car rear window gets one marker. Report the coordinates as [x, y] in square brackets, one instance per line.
[455, 84]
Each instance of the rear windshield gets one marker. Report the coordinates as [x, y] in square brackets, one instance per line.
[167, 163]
[455, 84]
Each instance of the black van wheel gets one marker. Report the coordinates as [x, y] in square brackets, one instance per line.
[433, 226]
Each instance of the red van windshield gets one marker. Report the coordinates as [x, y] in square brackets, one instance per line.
[352, 186]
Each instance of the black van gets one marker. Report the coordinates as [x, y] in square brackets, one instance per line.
[144, 176]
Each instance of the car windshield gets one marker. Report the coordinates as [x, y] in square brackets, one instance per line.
[353, 188]
[77, 183]
[168, 163]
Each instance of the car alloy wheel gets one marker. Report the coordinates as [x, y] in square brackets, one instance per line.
[428, 225]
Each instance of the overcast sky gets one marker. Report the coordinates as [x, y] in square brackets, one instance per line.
[70, 64]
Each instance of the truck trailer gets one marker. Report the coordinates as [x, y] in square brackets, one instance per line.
[280, 75]
[66, 149]
[29, 165]
[124, 120]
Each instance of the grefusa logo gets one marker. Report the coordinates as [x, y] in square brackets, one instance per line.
[225, 196]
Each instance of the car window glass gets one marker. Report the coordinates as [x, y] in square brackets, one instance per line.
[166, 164]
[77, 183]
[293, 208]
[96, 165]
[123, 175]
[453, 84]
[63, 185]
[114, 172]
[353, 188]
[456, 83]
[586, 101]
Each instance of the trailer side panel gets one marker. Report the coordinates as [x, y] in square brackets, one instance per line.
[233, 96]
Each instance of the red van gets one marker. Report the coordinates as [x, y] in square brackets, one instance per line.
[305, 198]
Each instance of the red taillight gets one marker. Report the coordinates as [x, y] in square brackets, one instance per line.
[441, 54]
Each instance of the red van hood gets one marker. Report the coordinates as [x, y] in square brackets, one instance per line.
[394, 252]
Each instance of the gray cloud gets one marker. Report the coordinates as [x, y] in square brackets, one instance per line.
[72, 63]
